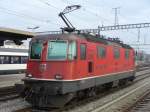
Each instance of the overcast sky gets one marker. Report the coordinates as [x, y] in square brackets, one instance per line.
[21, 14]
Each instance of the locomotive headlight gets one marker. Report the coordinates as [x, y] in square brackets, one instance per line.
[58, 77]
[29, 75]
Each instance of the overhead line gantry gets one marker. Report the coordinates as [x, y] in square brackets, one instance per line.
[107, 28]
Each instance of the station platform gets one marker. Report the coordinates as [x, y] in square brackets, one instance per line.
[10, 80]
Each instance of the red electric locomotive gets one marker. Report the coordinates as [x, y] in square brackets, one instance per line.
[62, 65]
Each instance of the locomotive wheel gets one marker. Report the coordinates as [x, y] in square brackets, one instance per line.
[123, 82]
[47, 101]
[108, 85]
[58, 100]
[91, 92]
[80, 95]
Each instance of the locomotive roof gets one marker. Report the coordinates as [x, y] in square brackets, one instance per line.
[87, 37]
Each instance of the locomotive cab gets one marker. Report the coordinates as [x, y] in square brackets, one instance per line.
[52, 63]
[51, 57]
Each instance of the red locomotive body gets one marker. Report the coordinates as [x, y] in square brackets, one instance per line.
[61, 65]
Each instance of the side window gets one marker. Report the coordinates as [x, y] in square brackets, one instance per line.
[116, 53]
[4, 59]
[101, 52]
[82, 51]
[7, 60]
[1, 59]
[24, 59]
[15, 59]
[127, 53]
[36, 50]
[72, 50]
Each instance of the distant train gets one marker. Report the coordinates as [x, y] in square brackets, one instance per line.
[142, 58]
[13, 60]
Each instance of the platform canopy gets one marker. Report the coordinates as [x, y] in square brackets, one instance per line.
[13, 34]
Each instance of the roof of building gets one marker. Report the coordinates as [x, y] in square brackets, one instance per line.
[16, 31]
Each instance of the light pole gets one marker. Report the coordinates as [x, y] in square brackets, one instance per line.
[33, 28]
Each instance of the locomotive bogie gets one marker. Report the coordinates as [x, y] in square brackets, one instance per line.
[59, 93]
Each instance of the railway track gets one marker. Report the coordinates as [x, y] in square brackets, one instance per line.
[121, 103]
[144, 74]
[111, 106]
[8, 93]
[141, 69]
[141, 105]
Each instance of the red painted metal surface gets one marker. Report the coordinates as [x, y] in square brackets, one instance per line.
[77, 68]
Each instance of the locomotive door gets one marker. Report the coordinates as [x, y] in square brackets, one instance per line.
[86, 60]
[82, 64]
[90, 66]
[90, 58]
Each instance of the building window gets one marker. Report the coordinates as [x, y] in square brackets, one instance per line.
[101, 52]
[82, 51]
[116, 53]
[127, 52]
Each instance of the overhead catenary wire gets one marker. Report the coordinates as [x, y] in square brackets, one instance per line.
[20, 14]
[12, 12]
[57, 8]
[47, 3]
[39, 6]
[84, 9]
[138, 32]
[90, 11]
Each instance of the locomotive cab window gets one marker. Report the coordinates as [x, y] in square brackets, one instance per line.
[116, 53]
[36, 50]
[101, 52]
[72, 50]
[82, 51]
[57, 50]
